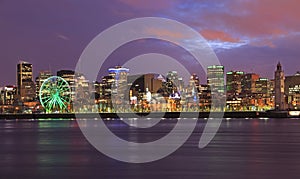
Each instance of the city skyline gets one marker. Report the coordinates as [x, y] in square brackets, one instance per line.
[249, 36]
[106, 72]
[240, 91]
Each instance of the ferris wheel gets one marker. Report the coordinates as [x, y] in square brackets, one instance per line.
[55, 94]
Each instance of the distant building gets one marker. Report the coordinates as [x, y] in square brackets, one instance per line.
[292, 90]
[119, 85]
[215, 79]
[8, 94]
[194, 78]
[139, 83]
[69, 76]
[39, 80]
[25, 84]
[262, 86]
[279, 88]
[172, 82]
[263, 93]
[234, 83]
[249, 83]
[204, 97]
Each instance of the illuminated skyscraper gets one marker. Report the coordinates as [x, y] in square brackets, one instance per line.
[9, 93]
[279, 88]
[249, 83]
[174, 83]
[215, 79]
[195, 80]
[69, 76]
[119, 84]
[234, 82]
[292, 90]
[25, 84]
[43, 75]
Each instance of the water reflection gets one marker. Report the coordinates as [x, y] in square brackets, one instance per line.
[253, 148]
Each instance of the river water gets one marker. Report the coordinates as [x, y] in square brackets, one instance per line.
[242, 148]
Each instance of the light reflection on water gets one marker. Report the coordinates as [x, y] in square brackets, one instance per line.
[253, 148]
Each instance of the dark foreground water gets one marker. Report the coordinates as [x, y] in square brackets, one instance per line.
[253, 148]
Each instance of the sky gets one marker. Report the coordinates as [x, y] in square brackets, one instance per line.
[247, 35]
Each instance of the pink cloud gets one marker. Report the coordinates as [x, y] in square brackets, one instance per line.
[259, 17]
[218, 35]
[165, 33]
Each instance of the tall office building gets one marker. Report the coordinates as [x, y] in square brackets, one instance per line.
[279, 88]
[9, 94]
[39, 80]
[249, 83]
[292, 90]
[215, 79]
[172, 82]
[140, 83]
[69, 76]
[234, 83]
[25, 84]
[262, 86]
[119, 83]
[195, 79]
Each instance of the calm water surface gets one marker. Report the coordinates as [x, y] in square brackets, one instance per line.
[253, 148]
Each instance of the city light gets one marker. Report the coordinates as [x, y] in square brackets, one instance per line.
[149, 92]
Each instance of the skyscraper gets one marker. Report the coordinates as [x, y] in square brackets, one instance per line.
[69, 76]
[279, 88]
[234, 82]
[249, 83]
[119, 85]
[43, 75]
[25, 84]
[292, 90]
[215, 79]
[194, 78]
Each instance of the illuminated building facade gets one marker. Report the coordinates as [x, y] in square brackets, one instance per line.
[248, 83]
[234, 83]
[292, 91]
[279, 88]
[119, 84]
[69, 76]
[139, 84]
[204, 97]
[9, 95]
[215, 79]
[25, 84]
[195, 79]
[39, 80]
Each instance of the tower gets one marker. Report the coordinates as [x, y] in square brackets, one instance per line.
[25, 84]
[279, 88]
[215, 79]
[119, 83]
[43, 75]
[234, 82]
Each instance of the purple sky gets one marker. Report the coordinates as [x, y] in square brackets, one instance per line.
[246, 35]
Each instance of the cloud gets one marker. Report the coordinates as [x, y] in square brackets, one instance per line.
[259, 22]
[257, 18]
[218, 35]
[267, 42]
[165, 33]
[63, 37]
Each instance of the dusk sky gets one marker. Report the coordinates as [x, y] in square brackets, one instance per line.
[250, 35]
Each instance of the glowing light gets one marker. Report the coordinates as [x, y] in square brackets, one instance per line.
[55, 94]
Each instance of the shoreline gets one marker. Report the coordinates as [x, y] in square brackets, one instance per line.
[250, 114]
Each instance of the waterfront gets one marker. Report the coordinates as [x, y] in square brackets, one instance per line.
[242, 148]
